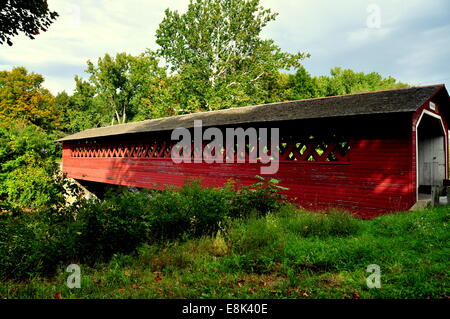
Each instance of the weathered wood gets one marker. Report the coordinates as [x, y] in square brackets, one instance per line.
[374, 180]
[435, 194]
[448, 194]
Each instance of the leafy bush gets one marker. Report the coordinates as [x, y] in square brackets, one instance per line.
[94, 230]
[258, 199]
[31, 187]
[28, 174]
[28, 246]
[116, 225]
[192, 210]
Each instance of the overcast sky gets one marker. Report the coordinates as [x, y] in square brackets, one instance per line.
[406, 39]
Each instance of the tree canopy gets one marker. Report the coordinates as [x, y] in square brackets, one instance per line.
[23, 97]
[29, 17]
[215, 58]
[123, 82]
[347, 81]
[217, 52]
[341, 81]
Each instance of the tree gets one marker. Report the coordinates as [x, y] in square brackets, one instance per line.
[123, 82]
[303, 85]
[23, 97]
[347, 81]
[218, 55]
[27, 167]
[29, 17]
[83, 110]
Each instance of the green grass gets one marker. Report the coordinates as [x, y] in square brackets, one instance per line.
[288, 254]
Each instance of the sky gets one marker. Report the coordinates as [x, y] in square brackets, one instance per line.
[406, 39]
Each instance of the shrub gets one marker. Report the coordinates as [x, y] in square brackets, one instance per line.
[28, 246]
[94, 230]
[116, 225]
[258, 199]
[31, 187]
[28, 174]
[192, 210]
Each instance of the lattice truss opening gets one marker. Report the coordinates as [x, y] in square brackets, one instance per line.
[291, 148]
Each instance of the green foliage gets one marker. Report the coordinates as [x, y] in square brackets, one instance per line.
[28, 173]
[125, 84]
[262, 258]
[31, 187]
[92, 231]
[84, 109]
[22, 97]
[346, 81]
[116, 225]
[34, 244]
[218, 55]
[29, 17]
[193, 210]
[20, 251]
[260, 198]
[303, 85]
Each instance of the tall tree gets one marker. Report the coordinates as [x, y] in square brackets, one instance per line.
[303, 85]
[83, 110]
[124, 81]
[29, 17]
[23, 97]
[217, 52]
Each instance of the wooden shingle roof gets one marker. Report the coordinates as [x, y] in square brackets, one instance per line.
[381, 102]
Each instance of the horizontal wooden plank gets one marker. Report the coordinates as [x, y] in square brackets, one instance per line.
[379, 177]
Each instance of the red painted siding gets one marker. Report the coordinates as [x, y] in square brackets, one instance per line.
[377, 179]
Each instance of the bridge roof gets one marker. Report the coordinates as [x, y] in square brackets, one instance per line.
[380, 102]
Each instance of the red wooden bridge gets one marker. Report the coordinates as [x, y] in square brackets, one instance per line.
[369, 153]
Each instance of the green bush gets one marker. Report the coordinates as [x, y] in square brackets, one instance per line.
[116, 225]
[30, 246]
[31, 187]
[192, 210]
[94, 230]
[258, 199]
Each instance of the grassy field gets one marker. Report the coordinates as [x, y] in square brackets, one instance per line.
[288, 254]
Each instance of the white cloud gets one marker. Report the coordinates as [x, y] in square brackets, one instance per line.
[87, 30]
[363, 36]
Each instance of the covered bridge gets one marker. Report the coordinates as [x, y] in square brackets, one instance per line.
[369, 153]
